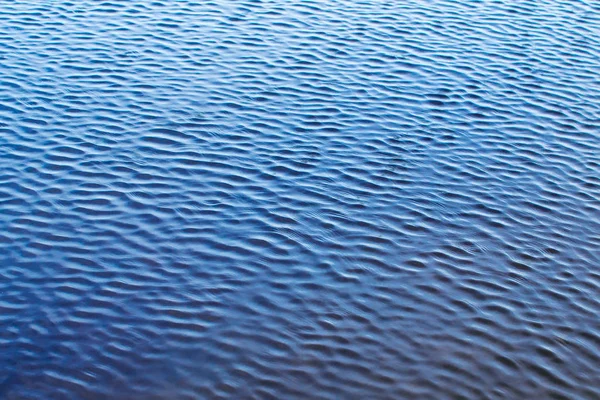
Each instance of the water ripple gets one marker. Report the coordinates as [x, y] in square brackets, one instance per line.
[310, 199]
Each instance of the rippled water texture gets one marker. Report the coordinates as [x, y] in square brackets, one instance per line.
[300, 199]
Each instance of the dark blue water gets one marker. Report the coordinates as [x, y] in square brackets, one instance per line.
[300, 199]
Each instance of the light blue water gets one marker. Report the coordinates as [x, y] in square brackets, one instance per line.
[300, 199]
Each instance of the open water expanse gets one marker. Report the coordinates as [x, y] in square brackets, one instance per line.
[299, 199]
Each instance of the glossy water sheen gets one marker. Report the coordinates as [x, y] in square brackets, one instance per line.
[300, 199]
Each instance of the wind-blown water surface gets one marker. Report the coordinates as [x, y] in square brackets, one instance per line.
[299, 199]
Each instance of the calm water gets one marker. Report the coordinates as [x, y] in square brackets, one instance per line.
[299, 199]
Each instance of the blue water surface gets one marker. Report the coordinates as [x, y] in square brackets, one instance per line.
[299, 199]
